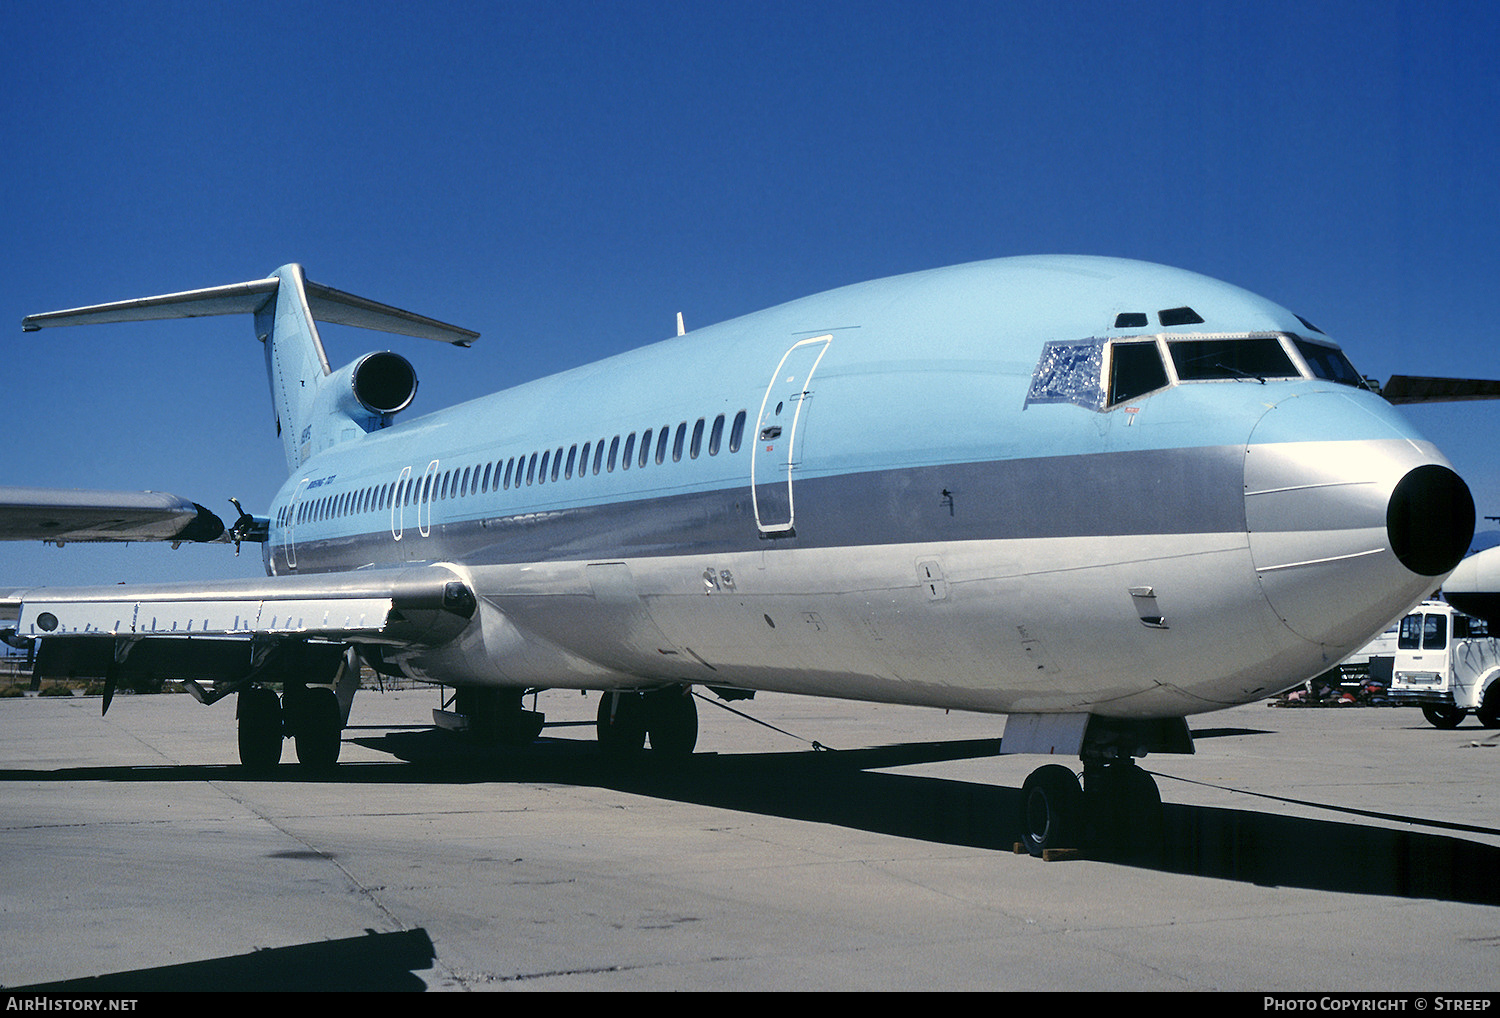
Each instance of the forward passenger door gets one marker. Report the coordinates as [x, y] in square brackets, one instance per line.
[774, 459]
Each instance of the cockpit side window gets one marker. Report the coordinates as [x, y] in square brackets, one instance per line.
[1134, 370]
[1069, 372]
[1328, 362]
[1255, 357]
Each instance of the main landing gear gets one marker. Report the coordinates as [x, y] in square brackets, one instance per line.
[668, 717]
[309, 715]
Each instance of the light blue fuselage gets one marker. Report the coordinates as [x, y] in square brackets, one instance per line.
[949, 507]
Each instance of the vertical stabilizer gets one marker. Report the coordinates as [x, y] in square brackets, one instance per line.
[295, 362]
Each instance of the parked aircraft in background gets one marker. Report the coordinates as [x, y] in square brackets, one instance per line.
[1095, 495]
[60, 515]
[1474, 587]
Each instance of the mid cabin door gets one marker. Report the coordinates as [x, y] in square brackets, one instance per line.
[289, 534]
[783, 411]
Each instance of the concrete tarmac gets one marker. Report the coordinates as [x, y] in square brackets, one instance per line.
[1326, 850]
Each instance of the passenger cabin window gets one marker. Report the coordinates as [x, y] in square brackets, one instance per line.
[1134, 370]
[1254, 358]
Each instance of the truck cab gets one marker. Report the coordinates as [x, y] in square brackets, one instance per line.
[1447, 663]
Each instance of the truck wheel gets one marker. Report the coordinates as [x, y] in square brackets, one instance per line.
[1489, 709]
[1443, 716]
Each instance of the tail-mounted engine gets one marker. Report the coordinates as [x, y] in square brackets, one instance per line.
[374, 388]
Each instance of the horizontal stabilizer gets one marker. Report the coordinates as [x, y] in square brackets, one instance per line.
[1419, 389]
[234, 299]
[324, 303]
[340, 308]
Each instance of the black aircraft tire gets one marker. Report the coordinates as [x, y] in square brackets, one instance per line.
[622, 724]
[1051, 805]
[1489, 708]
[672, 722]
[1442, 716]
[1124, 814]
[259, 714]
[319, 728]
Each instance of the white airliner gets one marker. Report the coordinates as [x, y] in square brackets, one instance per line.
[1092, 494]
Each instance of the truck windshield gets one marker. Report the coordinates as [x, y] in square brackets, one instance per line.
[1423, 632]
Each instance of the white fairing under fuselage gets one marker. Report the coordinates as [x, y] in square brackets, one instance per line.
[1030, 485]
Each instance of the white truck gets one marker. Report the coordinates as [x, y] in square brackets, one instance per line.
[1447, 664]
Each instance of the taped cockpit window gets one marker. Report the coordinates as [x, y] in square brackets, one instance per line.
[1070, 371]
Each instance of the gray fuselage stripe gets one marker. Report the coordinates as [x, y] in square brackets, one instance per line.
[1138, 493]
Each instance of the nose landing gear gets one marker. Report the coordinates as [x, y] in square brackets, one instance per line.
[1115, 813]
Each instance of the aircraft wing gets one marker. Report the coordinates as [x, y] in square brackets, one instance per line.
[58, 515]
[233, 631]
[1420, 389]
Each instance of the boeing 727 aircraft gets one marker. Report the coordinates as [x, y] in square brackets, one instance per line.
[1092, 494]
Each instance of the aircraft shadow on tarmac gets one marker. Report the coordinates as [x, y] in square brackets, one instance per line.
[374, 962]
[849, 788]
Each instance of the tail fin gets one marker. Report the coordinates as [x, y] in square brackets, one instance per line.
[286, 307]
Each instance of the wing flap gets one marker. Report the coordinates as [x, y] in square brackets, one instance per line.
[411, 607]
[332, 618]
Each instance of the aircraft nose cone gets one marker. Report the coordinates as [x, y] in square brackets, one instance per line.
[1350, 517]
[1430, 520]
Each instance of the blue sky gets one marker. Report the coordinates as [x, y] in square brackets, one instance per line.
[564, 177]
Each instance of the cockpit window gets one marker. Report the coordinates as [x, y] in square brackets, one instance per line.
[1328, 362]
[1069, 372]
[1134, 370]
[1256, 358]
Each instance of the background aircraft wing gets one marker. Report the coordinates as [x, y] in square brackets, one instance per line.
[1421, 389]
[59, 515]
